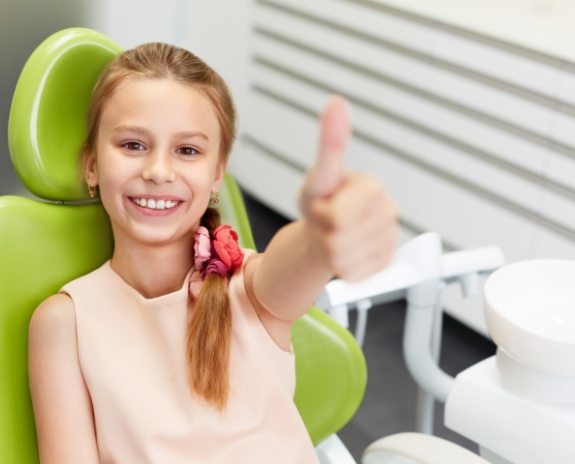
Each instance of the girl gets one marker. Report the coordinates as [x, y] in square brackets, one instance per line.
[177, 350]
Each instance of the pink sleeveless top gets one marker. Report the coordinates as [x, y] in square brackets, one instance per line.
[132, 356]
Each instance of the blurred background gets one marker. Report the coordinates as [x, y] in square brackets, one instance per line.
[463, 109]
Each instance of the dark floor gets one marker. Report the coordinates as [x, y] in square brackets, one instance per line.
[389, 404]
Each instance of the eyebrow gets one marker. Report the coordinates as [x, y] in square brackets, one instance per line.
[141, 130]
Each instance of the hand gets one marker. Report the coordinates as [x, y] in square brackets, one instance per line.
[349, 215]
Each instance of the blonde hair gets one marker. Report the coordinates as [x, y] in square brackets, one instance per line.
[209, 326]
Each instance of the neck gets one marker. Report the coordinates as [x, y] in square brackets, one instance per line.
[153, 270]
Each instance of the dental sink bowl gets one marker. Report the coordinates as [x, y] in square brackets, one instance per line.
[530, 313]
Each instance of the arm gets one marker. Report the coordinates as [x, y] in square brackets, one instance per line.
[348, 229]
[62, 406]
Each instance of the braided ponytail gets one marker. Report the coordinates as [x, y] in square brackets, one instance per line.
[209, 333]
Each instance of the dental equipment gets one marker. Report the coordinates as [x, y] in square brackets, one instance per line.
[523, 398]
[419, 272]
[519, 405]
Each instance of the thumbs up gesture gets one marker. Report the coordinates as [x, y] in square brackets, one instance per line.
[351, 219]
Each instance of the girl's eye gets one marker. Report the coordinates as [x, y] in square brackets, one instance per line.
[133, 146]
[188, 151]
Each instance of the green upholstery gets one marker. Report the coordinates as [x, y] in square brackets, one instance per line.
[43, 247]
[48, 243]
[330, 371]
[47, 118]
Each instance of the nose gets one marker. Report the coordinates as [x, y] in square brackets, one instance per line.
[159, 168]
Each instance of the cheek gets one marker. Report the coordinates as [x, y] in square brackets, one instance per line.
[109, 200]
[203, 181]
[111, 182]
[202, 189]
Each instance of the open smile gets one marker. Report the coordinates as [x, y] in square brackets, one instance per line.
[156, 205]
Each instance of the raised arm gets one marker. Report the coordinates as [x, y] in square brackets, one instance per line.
[348, 229]
[62, 407]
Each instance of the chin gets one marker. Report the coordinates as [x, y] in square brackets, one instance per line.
[153, 235]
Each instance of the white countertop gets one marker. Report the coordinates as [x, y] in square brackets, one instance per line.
[546, 26]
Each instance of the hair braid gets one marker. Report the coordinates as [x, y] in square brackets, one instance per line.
[209, 333]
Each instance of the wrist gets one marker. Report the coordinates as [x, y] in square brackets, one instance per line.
[315, 248]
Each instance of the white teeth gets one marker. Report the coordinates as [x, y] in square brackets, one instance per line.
[153, 204]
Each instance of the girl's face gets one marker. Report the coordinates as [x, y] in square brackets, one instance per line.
[157, 159]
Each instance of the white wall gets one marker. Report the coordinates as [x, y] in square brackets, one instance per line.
[219, 32]
[471, 134]
[132, 22]
[542, 25]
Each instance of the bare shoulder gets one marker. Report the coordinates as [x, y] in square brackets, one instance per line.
[52, 332]
[54, 317]
[60, 399]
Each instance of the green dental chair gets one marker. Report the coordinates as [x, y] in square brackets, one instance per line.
[49, 241]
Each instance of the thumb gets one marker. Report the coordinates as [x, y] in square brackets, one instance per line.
[327, 172]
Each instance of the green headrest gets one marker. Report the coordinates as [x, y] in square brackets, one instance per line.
[47, 123]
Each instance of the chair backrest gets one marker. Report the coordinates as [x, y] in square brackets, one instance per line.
[48, 242]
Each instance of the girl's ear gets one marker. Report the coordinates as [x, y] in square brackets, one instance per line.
[219, 177]
[90, 168]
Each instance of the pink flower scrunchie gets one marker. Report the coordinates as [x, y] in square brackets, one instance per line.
[222, 255]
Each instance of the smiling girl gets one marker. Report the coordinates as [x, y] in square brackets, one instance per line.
[177, 350]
